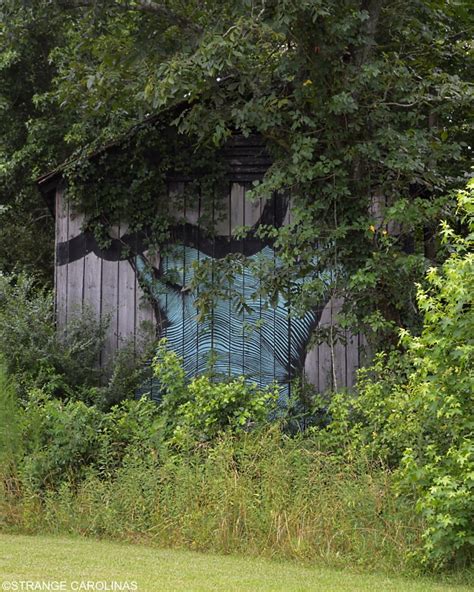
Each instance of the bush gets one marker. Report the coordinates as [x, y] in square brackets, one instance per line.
[439, 463]
[34, 351]
[200, 409]
[61, 441]
[66, 441]
[64, 365]
[415, 410]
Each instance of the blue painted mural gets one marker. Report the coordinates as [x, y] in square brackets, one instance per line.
[263, 343]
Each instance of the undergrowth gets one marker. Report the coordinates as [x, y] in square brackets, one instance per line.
[258, 493]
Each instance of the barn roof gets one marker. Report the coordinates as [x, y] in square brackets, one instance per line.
[55, 175]
[247, 157]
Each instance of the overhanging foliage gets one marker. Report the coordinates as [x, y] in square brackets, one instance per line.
[358, 101]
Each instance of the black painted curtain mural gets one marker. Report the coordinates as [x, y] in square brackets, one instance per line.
[262, 342]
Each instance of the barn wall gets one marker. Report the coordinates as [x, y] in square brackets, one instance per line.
[109, 290]
[110, 286]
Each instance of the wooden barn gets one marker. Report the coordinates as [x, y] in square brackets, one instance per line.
[135, 287]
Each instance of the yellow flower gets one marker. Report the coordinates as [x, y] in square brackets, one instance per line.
[372, 228]
[384, 232]
[307, 82]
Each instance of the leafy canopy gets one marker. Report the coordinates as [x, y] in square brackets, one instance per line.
[364, 104]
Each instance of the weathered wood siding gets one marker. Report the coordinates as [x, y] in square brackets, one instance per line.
[108, 289]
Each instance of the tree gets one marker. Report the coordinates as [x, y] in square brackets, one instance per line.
[31, 132]
[362, 102]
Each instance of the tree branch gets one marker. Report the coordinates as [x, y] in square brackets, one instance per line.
[139, 5]
[406, 105]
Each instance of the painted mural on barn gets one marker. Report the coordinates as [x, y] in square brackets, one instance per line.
[263, 342]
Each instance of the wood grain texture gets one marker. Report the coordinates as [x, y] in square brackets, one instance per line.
[237, 206]
[311, 367]
[324, 351]
[339, 347]
[252, 209]
[145, 321]
[75, 271]
[92, 284]
[112, 291]
[126, 322]
[335, 367]
[60, 279]
[352, 358]
[109, 305]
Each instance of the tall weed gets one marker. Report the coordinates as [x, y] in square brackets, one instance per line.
[258, 493]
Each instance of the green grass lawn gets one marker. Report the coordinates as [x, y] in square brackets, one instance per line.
[74, 560]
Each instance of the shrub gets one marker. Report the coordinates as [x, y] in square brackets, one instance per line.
[415, 410]
[66, 441]
[439, 464]
[200, 409]
[63, 364]
[34, 351]
[61, 440]
[131, 427]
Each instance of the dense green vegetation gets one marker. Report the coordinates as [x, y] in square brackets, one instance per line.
[365, 107]
[260, 494]
[359, 101]
[62, 365]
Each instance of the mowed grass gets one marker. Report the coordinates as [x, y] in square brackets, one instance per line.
[54, 559]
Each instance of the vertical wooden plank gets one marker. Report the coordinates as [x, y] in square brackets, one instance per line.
[352, 359]
[365, 353]
[228, 220]
[220, 216]
[339, 371]
[199, 348]
[92, 284]
[92, 295]
[145, 325]
[75, 272]
[126, 298]
[376, 209]
[287, 219]
[325, 355]
[311, 367]
[60, 279]
[92, 289]
[192, 213]
[345, 356]
[237, 218]
[251, 210]
[237, 206]
[109, 308]
[126, 303]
